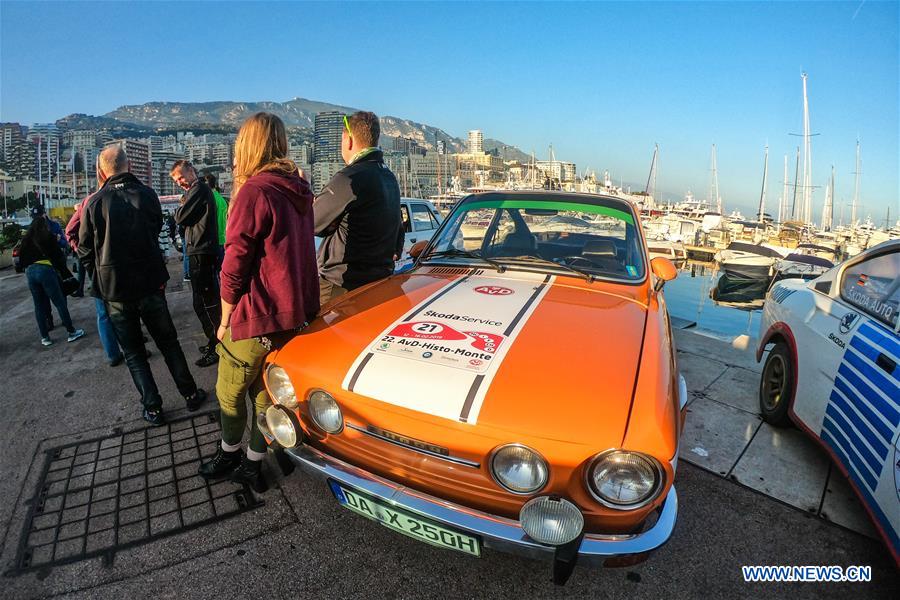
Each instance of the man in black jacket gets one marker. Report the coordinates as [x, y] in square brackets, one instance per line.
[197, 214]
[358, 213]
[119, 249]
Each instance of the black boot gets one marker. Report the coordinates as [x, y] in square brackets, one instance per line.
[222, 464]
[250, 473]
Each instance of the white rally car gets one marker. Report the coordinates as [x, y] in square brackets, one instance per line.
[833, 368]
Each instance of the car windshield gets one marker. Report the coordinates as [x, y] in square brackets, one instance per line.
[593, 237]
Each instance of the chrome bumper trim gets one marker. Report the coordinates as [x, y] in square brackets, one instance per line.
[682, 392]
[498, 533]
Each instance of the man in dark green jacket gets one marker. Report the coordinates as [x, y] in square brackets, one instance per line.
[358, 213]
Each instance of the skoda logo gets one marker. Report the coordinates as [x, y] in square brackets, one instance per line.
[493, 290]
[848, 321]
[426, 355]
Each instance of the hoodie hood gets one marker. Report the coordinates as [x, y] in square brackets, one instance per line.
[289, 186]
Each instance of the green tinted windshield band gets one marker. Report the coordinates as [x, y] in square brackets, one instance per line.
[552, 205]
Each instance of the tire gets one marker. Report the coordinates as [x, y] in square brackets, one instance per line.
[776, 386]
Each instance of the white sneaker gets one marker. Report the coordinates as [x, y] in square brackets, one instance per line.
[78, 333]
[46, 341]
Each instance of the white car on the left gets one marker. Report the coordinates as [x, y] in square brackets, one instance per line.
[833, 369]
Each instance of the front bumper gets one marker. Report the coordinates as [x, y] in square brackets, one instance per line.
[496, 532]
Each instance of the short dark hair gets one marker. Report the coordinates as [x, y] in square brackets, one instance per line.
[365, 127]
[183, 163]
[211, 181]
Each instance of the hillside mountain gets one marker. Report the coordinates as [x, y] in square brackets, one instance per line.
[155, 117]
[298, 112]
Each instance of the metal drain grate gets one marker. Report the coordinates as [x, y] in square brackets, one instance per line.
[100, 496]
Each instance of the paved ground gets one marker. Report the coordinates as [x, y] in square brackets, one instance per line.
[301, 543]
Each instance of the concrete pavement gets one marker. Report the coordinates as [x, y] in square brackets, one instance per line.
[302, 543]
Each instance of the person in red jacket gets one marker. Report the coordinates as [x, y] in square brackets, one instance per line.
[269, 286]
[114, 354]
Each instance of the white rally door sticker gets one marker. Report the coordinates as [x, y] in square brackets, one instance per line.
[441, 357]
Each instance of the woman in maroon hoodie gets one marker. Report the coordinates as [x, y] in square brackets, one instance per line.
[269, 286]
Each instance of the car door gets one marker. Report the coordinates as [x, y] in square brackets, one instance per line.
[424, 223]
[861, 421]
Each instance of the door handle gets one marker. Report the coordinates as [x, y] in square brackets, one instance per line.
[886, 363]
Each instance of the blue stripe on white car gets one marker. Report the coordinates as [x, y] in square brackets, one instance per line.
[864, 407]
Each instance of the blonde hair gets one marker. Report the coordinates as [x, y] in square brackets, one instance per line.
[261, 145]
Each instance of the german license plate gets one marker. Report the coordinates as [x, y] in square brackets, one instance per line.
[405, 522]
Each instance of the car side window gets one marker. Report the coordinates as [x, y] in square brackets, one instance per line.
[421, 218]
[873, 286]
[404, 213]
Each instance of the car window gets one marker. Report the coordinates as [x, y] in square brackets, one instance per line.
[599, 237]
[421, 218]
[873, 285]
[404, 214]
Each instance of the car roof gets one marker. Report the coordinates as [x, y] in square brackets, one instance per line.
[572, 197]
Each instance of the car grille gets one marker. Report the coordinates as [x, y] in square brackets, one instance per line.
[453, 271]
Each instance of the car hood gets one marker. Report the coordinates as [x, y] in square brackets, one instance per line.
[524, 353]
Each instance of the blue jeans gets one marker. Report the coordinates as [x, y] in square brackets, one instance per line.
[107, 333]
[185, 265]
[43, 281]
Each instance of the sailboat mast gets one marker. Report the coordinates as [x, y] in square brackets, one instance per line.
[807, 157]
[762, 194]
[532, 169]
[782, 206]
[714, 182]
[855, 204]
[796, 186]
[828, 210]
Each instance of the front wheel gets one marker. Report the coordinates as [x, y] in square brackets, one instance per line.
[776, 387]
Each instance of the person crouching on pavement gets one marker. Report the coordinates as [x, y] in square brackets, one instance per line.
[197, 214]
[119, 248]
[269, 286]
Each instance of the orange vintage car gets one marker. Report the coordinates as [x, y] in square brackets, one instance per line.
[515, 390]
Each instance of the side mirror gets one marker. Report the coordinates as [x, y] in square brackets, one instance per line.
[664, 271]
[418, 248]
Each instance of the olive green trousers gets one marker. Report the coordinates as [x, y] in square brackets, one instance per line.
[240, 374]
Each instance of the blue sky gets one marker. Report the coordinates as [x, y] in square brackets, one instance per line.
[603, 82]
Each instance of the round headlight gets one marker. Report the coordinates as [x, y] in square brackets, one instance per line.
[551, 521]
[281, 426]
[622, 479]
[325, 412]
[281, 387]
[519, 469]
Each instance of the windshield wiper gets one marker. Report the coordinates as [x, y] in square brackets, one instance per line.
[456, 252]
[590, 277]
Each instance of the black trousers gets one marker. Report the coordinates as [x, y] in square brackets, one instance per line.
[126, 319]
[205, 287]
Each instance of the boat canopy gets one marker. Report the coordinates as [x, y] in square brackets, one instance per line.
[815, 247]
[753, 248]
[809, 260]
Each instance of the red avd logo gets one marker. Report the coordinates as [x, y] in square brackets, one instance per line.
[494, 290]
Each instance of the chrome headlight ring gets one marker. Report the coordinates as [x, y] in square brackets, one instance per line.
[540, 465]
[281, 387]
[649, 462]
